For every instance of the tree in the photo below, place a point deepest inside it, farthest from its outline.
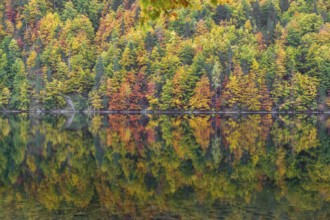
(233, 92)
(10, 11)
(23, 98)
(269, 19)
(250, 96)
(4, 98)
(304, 92)
(202, 97)
(53, 95)
(105, 31)
(14, 50)
(265, 99)
(137, 100)
(3, 68)
(151, 96)
(154, 9)
(301, 25)
(167, 95)
(284, 5)
(216, 75)
(281, 86)
(201, 27)
(34, 10)
(180, 88)
(95, 100)
(131, 93)
(21, 87)
(120, 100)
(186, 54)
(128, 58)
(149, 41)
(48, 27)
(257, 95)
(76, 38)
(69, 11)
(99, 71)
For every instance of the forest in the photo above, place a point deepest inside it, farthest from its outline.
(245, 55)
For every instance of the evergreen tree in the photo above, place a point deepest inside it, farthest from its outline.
(4, 98)
(167, 96)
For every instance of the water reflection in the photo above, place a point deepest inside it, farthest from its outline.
(161, 166)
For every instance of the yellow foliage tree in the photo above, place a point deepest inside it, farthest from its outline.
(48, 26)
(152, 9)
(96, 100)
(202, 97)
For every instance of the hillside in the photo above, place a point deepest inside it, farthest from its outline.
(242, 55)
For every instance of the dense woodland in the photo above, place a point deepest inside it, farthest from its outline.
(149, 166)
(101, 55)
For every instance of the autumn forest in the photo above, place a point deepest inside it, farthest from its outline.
(249, 55)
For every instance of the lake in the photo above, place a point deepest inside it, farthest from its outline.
(164, 166)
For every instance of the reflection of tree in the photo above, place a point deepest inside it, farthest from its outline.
(247, 134)
(148, 166)
(202, 130)
(300, 134)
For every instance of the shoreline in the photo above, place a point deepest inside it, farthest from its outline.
(156, 112)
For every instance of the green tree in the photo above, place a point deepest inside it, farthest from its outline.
(95, 100)
(186, 54)
(21, 87)
(216, 81)
(69, 11)
(128, 58)
(5, 98)
(167, 95)
(281, 86)
(14, 50)
(304, 92)
(3, 69)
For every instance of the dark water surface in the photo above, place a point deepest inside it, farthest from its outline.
(165, 167)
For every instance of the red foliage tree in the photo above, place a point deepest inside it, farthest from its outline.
(10, 11)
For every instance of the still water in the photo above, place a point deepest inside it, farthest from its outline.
(165, 167)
